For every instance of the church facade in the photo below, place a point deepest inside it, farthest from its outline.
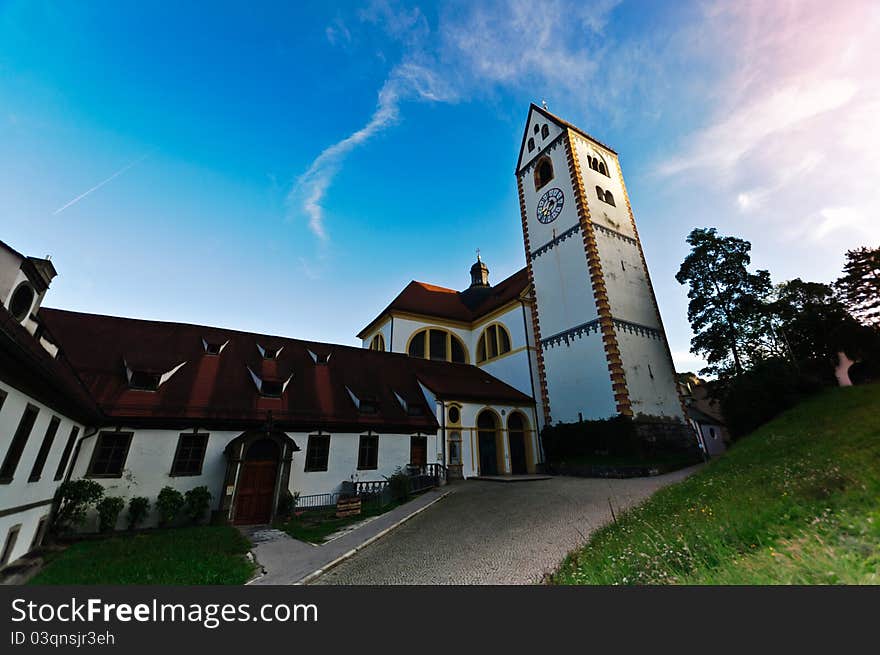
(459, 380)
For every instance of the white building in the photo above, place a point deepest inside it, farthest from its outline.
(463, 380)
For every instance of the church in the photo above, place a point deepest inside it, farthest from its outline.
(459, 380)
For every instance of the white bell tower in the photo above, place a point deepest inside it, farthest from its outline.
(602, 350)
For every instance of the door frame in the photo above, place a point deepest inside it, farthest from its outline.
(235, 452)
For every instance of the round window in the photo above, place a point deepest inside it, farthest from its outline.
(21, 301)
(454, 415)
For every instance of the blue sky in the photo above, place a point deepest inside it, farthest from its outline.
(289, 168)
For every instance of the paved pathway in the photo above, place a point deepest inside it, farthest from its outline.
(492, 533)
(288, 561)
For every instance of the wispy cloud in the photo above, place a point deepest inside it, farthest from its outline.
(472, 49)
(407, 81)
(790, 139)
(100, 184)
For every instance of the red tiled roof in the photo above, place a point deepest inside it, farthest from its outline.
(26, 365)
(464, 306)
(216, 390)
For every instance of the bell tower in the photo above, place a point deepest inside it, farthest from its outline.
(600, 343)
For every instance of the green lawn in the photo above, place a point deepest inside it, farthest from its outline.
(315, 526)
(198, 556)
(796, 502)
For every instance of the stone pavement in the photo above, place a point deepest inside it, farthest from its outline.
(289, 561)
(490, 533)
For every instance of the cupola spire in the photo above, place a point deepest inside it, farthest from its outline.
(479, 273)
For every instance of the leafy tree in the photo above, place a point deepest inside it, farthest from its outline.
(74, 498)
(809, 322)
(726, 308)
(859, 287)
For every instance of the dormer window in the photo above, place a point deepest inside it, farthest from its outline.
(411, 408)
(270, 388)
(378, 343)
(269, 353)
(214, 347)
(319, 358)
(365, 403)
(144, 381)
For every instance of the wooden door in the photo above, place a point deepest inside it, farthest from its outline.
(488, 457)
(418, 451)
(256, 491)
(517, 452)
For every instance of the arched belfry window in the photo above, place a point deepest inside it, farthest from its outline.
(545, 131)
(602, 168)
(609, 198)
(378, 343)
(537, 128)
(531, 144)
(437, 344)
(543, 172)
(494, 342)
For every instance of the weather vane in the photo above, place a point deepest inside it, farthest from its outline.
(544, 104)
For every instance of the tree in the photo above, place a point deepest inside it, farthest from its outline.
(810, 322)
(859, 288)
(726, 308)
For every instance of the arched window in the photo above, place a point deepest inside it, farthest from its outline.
(545, 131)
(601, 168)
(609, 198)
(543, 172)
(438, 345)
(494, 341)
(378, 343)
(537, 128)
(21, 301)
(531, 144)
(600, 193)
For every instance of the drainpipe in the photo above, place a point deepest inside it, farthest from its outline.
(443, 436)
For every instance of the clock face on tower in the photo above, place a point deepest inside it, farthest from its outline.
(550, 205)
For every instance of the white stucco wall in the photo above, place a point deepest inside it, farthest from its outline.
(651, 391)
(578, 382)
(20, 492)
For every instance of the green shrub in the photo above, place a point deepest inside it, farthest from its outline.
(196, 504)
(74, 498)
(109, 509)
(168, 504)
(287, 504)
(399, 484)
(138, 508)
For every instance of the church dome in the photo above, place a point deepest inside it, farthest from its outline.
(479, 273)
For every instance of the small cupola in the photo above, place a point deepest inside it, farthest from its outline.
(479, 273)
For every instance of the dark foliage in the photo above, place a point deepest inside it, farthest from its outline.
(138, 508)
(769, 388)
(196, 503)
(859, 287)
(169, 504)
(74, 498)
(109, 508)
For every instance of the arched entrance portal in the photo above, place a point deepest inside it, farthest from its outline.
(487, 429)
(257, 473)
(516, 436)
(256, 483)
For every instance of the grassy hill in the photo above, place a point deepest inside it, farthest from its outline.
(795, 502)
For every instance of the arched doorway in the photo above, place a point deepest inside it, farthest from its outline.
(516, 438)
(487, 429)
(256, 484)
